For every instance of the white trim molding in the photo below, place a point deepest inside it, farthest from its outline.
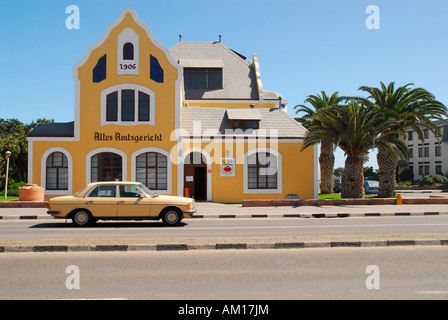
(169, 167)
(128, 35)
(124, 162)
(43, 172)
(279, 171)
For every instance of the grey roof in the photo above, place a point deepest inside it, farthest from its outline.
(54, 130)
(239, 78)
(215, 121)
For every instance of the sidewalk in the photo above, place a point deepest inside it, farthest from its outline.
(220, 210)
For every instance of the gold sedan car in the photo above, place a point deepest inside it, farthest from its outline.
(120, 201)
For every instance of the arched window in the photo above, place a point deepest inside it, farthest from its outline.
(128, 51)
(127, 104)
(57, 172)
(106, 166)
(262, 171)
(152, 170)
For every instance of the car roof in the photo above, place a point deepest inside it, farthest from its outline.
(113, 183)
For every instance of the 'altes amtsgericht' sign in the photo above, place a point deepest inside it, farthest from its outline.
(101, 136)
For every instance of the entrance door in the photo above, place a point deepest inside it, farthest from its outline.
(200, 183)
(195, 176)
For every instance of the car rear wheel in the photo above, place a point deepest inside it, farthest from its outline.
(172, 217)
(82, 218)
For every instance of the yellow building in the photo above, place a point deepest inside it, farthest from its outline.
(194, 119)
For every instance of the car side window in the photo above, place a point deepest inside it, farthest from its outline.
(103, 192)
(129, 192)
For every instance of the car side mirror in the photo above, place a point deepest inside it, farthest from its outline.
(140, 195)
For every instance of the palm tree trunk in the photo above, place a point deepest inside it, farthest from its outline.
(326, 160)
(352, 179)
(387, 174)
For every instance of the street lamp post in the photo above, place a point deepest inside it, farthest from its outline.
(8, 154)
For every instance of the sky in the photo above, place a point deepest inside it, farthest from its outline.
(303, 47)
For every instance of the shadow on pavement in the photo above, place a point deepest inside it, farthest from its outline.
(105, 225)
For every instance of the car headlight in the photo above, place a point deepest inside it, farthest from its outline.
(190, 205)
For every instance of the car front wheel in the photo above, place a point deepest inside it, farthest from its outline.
(172, 217)
(82, 218)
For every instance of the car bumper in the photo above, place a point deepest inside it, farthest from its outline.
(56, 214)
(189, 213)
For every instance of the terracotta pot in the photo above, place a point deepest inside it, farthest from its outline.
(31, 192)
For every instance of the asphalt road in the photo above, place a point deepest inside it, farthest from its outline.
(336, 273)
(196, 230)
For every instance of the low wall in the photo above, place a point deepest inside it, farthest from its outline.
(339, 202)
(23, 204)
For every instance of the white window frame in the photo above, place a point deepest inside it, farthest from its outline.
(119, 88)
(43, 176)
(279, 172)
(89, 156)
(169, 167)
(128, 35)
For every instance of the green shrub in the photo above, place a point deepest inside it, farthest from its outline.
(13, 188)
(433, 179)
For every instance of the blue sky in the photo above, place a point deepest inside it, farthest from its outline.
(303, 46)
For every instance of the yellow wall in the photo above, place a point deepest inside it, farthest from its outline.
(297, 170)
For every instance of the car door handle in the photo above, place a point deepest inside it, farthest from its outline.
(89, 202)
(120, 202)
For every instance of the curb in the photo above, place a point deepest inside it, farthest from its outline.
(288, 215)
(221, 246)
(339, 202)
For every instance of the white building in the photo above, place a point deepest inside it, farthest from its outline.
(428, 155)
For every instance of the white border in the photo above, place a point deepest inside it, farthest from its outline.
(128, 35)
(208, 159)
(279, 172)
(136, 88)
(43, 169)
(169, 167)
(124, 162)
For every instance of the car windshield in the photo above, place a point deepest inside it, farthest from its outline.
(146, 190)
(77, 193)
(373, 183)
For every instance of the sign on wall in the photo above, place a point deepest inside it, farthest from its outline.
(227, 167)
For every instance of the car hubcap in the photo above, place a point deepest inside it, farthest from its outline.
(81, 218)
(171, 217)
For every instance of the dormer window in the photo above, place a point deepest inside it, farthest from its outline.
(244, 118)
(245, 124)
(203, 78)
(128, 51)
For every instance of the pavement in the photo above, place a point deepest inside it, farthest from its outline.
(223, 211)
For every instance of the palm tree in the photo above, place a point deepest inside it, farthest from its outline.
(414, 108)
(355, 129)
(326, 158)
